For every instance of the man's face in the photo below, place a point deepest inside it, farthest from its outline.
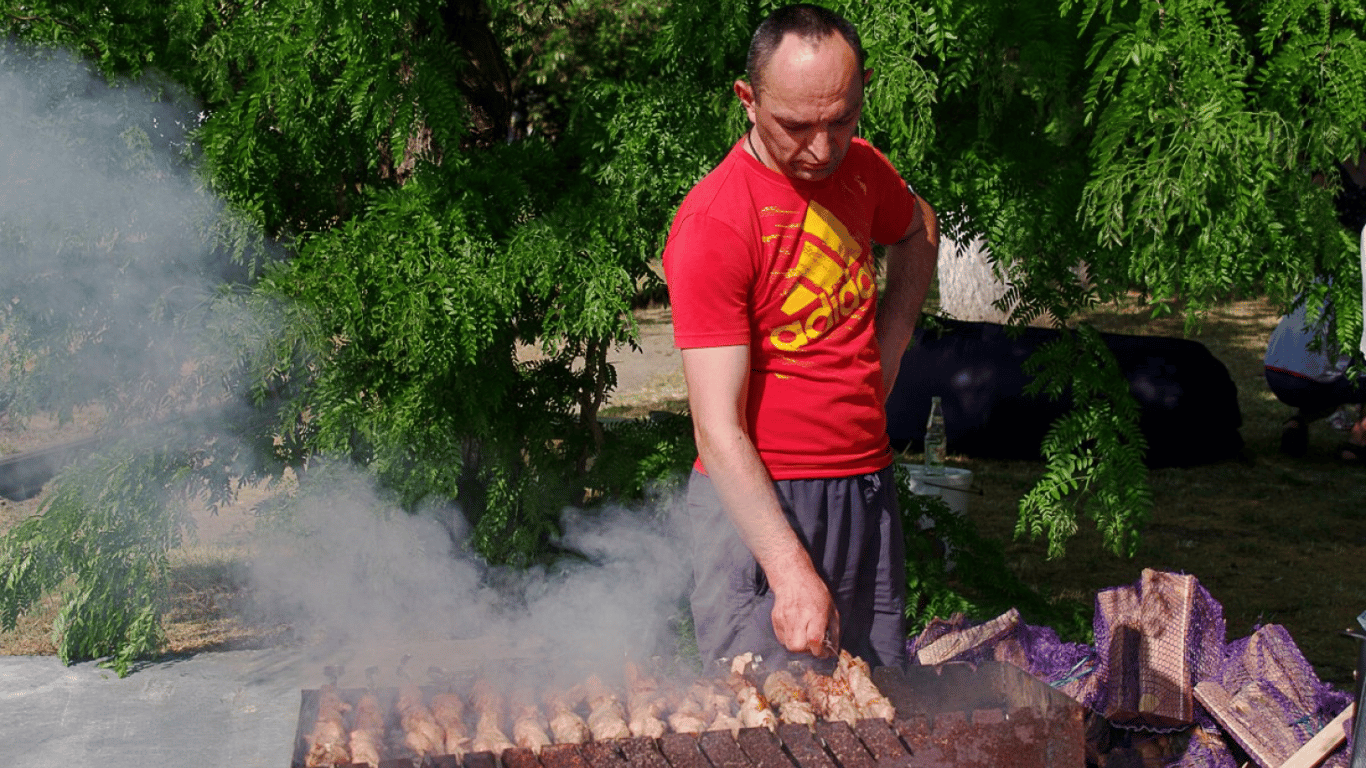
(807, 106)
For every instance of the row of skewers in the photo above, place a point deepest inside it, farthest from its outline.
(592, 711)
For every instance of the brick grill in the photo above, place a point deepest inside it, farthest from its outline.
(989, 716)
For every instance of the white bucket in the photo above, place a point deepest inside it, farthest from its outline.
(953, 486)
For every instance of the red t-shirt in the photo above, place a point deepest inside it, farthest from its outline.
(786, 266)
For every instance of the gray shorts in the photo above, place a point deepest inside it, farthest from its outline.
(851, 526)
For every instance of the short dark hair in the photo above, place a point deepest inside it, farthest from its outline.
(808, 22)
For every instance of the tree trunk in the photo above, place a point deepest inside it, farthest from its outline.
(967, 284)
(486, 82)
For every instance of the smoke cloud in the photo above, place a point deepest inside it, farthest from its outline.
(102, 231)
(103, 252)
(348, 569)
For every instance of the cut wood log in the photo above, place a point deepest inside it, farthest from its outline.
(955, 644)
(1258, 731)
(1324, 742)
(1154, 641)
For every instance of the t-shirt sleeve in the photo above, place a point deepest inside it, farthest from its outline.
(710, 273)
(894, 200)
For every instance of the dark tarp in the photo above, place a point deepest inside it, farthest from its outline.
(1190, 414)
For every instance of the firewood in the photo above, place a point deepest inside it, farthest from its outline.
(955, 644)
(1323, 743)
(1256, 729)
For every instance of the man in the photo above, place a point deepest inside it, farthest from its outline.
(1305, 374)
(1301, 369)
(771, 275)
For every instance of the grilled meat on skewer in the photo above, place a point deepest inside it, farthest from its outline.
(644, 703)
(488, 729)
(782, 689)
(367, 731)
(448, 710)
(528, 724)
(421, 733)
(565, 724)
(831, 697)
(327, 741)
(606, 718)
(752, 708)
(687, 713)
(857, 676)
(715, 704)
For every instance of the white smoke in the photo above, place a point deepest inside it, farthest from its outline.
(347, 569)
(101, 229)
(101, 246)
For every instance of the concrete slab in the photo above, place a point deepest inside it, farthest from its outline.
(228, 709)
(233, 708)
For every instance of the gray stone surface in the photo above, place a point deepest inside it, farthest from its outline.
(233, 708)
(221, 709)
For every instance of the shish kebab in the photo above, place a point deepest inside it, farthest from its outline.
(652, 709)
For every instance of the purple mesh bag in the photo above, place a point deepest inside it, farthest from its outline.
(1206, 749)
(1154, 641)
(1270, 655)
(1275, 701)
(1068, 667)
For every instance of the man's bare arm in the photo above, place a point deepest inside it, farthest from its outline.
(910, 268)
(718, 380)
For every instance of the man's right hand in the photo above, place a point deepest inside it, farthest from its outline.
(804, 615)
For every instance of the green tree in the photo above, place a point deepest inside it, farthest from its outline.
(418, 188)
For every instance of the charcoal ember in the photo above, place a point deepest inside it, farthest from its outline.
(879, 738)
(763, 749)
(640, 752)
(839, 738)
(603, 754)
(563, 756)
(721, 749)
(802, 745)
(682, 751)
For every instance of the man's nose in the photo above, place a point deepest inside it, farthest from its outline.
(820, 144)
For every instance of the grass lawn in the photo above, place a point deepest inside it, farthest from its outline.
(1274, 539)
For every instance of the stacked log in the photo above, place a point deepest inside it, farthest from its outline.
(1163, 686)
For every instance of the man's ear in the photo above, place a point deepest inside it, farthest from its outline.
(745, 92)
(867, 75)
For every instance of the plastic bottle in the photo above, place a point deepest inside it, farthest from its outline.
(936, 441)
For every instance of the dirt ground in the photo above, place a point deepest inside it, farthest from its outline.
(1274, 539)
